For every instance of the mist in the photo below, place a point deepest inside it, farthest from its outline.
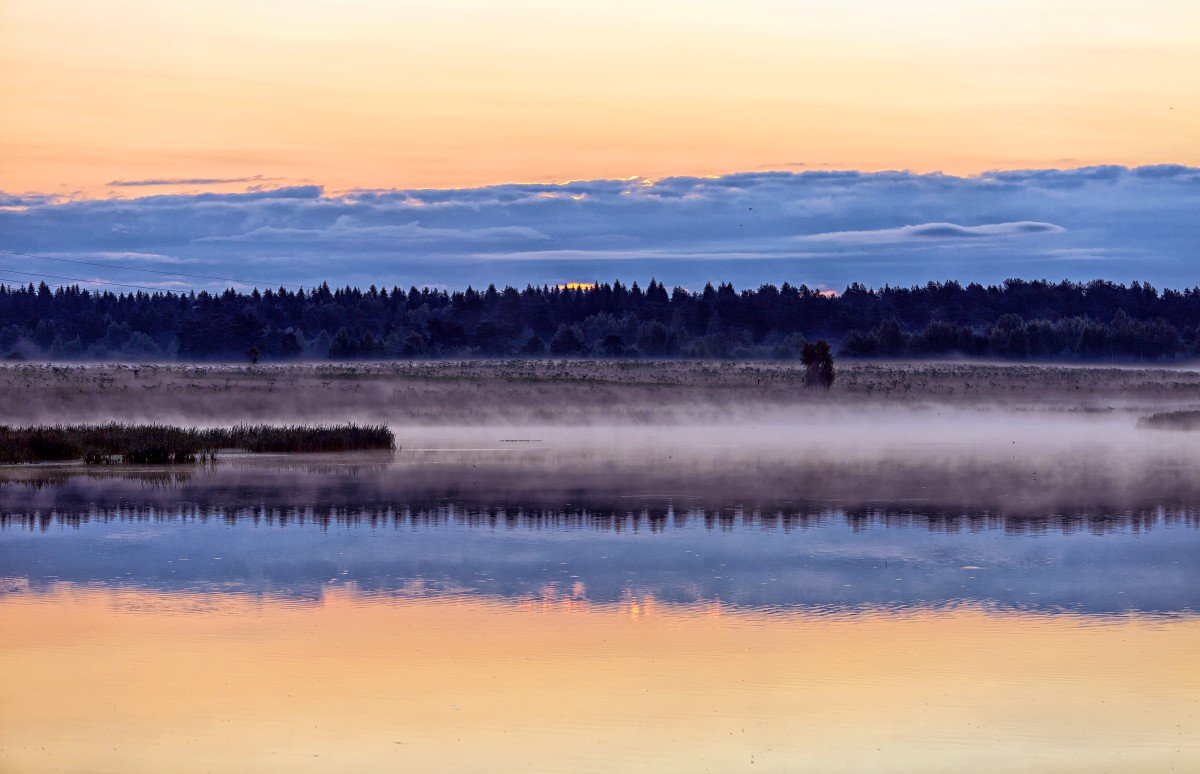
(1020, 438)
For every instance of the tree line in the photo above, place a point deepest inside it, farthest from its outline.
(1017, 319)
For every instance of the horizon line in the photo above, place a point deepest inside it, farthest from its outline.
(203, 186)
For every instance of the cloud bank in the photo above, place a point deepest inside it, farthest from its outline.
(825, 229)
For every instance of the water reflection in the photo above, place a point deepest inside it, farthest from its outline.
(936, 481)
(816, 558)
(469, 614)
(132, 679)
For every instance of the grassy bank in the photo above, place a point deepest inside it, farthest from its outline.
(165, 444)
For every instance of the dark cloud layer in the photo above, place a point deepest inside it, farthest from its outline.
(823, 228)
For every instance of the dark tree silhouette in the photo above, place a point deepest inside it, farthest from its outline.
(1018, 319)
(612, 346)
(567, 341)
(535, 346)
(891, 340)
(818, 364)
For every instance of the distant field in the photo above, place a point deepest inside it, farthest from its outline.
(572, 391)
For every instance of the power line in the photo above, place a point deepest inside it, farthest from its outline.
(80, 279)
(138, 268)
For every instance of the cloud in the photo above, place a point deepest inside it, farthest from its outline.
(346, 230)
(164, 181)
(822, 227)
(937, 231)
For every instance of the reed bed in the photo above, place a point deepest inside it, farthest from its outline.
(307, 438)
(116, 443)
(1172, 420)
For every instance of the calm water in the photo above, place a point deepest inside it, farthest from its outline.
(373, 616)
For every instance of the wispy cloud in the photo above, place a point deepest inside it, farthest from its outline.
(943, 231)
(168, 181)
(825, 228)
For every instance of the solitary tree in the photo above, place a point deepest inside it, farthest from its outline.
(818, 364)
(253, 353)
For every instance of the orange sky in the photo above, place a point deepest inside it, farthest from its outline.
(382, 94)
(90, 679)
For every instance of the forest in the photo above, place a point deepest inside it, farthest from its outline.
(1016, 320)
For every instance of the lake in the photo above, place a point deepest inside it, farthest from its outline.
(508, 606)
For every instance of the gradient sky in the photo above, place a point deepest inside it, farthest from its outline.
(367, 93)
(300, 106)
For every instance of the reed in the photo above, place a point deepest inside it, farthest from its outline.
(307, 438)
(1172, 420)
(116, 443)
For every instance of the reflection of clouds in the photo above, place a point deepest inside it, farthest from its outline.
(573, 523)
(828, 566)
(133, 536)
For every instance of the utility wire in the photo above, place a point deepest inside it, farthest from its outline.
(80, 279)
(138, 268)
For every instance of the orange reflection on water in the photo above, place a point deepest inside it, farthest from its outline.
(100, 679)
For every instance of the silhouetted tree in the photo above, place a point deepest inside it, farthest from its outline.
(289, 344)
(890, 339)
(413, 346)
(612, 346)
(343, 346)
(818, 364)
(536, 346)
(567, 341)
(656, 340)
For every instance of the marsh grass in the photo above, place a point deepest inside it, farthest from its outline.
(306, 438)
(115, 443)
(1172, 420)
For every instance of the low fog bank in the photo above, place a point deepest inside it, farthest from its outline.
(615, 472)
(975, 434)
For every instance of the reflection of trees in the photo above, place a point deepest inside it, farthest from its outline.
(511, 516)
(935, 493)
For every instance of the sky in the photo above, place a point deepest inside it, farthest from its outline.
(134, 100)
(824, 229)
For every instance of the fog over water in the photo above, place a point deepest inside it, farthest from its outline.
(1077, 513)
(688, 482)
(610, 566)
(1019, 441)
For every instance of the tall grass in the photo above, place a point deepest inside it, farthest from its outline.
(164, 444)
(1172, 420)
(306, 438)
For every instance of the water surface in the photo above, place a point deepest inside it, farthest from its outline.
(383, 614)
